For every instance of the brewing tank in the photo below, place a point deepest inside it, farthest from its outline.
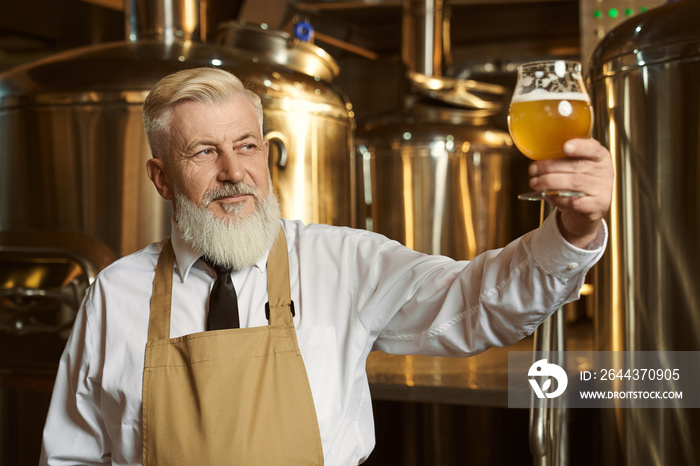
(441, 180)
(644, 77)
(73, 149)
(308, 121)
(440, 175)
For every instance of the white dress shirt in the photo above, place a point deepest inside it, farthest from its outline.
(353, 291)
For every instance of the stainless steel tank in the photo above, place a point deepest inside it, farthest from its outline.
(73, 148)
(309, 122)
(645, 78)
(441, 180)
(440, 175)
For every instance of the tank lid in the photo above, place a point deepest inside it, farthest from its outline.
(280, 48)
(125, 71)
(425, 122)
(102, 72)
(464, 93)
(664, 33)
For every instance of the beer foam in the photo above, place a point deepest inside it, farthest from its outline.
(541, 94)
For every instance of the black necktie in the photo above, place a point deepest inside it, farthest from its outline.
(223, 302)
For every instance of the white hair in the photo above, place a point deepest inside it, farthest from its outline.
(235, 243)
(203, 85)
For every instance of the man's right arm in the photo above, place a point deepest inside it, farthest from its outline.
(74, 432)
(422, 304)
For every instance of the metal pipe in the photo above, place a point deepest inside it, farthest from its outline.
(548, 420)
(163, 19)
(539, 428)
(425, 43)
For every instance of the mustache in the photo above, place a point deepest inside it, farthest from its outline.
(229, 189)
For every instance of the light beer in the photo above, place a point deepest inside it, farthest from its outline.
(541, 122)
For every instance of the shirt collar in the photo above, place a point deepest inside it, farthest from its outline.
(186, 256)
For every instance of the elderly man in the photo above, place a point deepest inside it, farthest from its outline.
(156, 370)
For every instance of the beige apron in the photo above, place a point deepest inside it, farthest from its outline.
(238, 396)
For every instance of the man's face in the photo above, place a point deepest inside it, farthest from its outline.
(213, 146)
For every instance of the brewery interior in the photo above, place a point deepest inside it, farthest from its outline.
(386, 115)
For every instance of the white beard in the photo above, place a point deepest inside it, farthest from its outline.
(236, 243)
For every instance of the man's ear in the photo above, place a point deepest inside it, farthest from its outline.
(159, 176)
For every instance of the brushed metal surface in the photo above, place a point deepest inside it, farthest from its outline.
(441, 181)
(73, 149)
(279, 47)
(425, 43)
(647, 103)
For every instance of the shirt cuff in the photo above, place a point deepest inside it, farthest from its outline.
(556, 256)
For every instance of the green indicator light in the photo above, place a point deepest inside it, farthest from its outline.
(597, 14)
(629, 11)
(643, 9)
(613, 13)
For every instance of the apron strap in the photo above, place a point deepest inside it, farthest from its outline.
(278, 290)
(159, 320)
(281, 307)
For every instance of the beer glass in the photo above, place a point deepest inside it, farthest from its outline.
(550, 105)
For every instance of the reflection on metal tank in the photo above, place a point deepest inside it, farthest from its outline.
(645, 77)
(439, 176)
(73, 149)
(308, 122)
(441, 180)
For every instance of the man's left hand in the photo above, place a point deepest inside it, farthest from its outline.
(587, 168)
